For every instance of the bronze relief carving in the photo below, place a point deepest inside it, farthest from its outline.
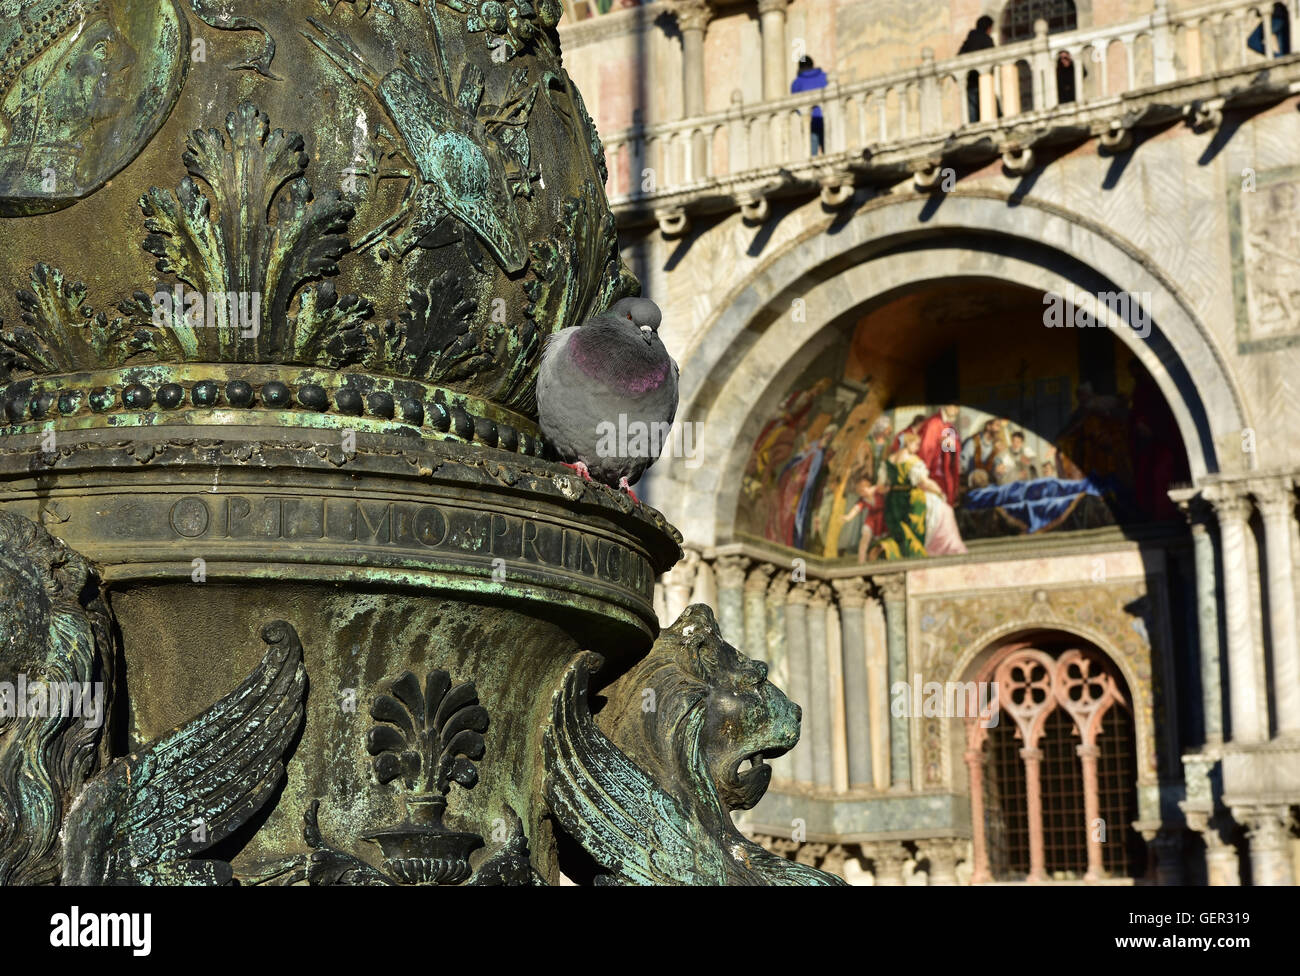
(83, 87)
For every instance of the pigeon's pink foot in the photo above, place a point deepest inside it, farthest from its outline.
(624, 486)
(580, 468)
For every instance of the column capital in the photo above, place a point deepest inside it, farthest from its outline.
(888, 859)
(730, 571)
(1275, 496)
(780, 586)
(1231, 502)
(772, 6)
(691, 14)
(820, 596)
(1193, 506)
(759, 576)
(1267, 824)
(799, 593)
(892, 587)
(851, 592)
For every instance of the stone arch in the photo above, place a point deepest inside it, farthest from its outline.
(753, 342)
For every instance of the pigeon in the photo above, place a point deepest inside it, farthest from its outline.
(607, 394)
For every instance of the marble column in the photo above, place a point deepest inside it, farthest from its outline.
(729, 571)
(1276, 500)
(1034, 801)
(943, 854)
(1268, 828)
(980, 873)
(755, 610)
(888, 860)
(778, 656)
(1088, 756)
(796, 643)
(852, 600)
(678, 584)
(705, 590)
(771, 19)
(1249, 715)
(893, 591)
(1200, 811)
(1222, 866)
(817, 716)
(693, 18)
(1207, 616)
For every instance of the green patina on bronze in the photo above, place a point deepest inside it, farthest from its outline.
(268, 352)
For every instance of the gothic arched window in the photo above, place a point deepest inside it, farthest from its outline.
(1053, 782)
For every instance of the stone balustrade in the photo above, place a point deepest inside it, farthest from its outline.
(880, 130)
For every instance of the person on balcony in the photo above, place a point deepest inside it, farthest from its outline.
(1281, 33)
(979, 39)
(810, 78)
(1065, 89)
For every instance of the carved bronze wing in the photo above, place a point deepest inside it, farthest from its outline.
(140, 820)
(612, 807)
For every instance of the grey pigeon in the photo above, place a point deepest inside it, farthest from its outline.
(607, 394)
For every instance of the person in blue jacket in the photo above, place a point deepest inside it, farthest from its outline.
(810, 78)
(1281, 33)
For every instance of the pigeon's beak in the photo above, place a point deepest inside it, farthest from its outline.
(648, 334)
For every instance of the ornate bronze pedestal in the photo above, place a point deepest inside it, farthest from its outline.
(268, 382)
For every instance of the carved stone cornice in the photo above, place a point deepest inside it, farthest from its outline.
(616, 23)
(851, 592)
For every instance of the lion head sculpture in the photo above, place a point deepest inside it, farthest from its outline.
(54, 634)
(747, 719)
(648, 788)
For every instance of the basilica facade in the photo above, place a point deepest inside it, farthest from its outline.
(989, 332)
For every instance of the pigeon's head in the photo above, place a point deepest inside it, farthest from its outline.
(642, 313)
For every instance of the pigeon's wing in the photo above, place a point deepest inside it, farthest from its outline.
(676, 385)
(612, 807)
(140, 819)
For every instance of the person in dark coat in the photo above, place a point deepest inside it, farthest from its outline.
(979, 39)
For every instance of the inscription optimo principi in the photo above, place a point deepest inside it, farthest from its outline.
(408, 525)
